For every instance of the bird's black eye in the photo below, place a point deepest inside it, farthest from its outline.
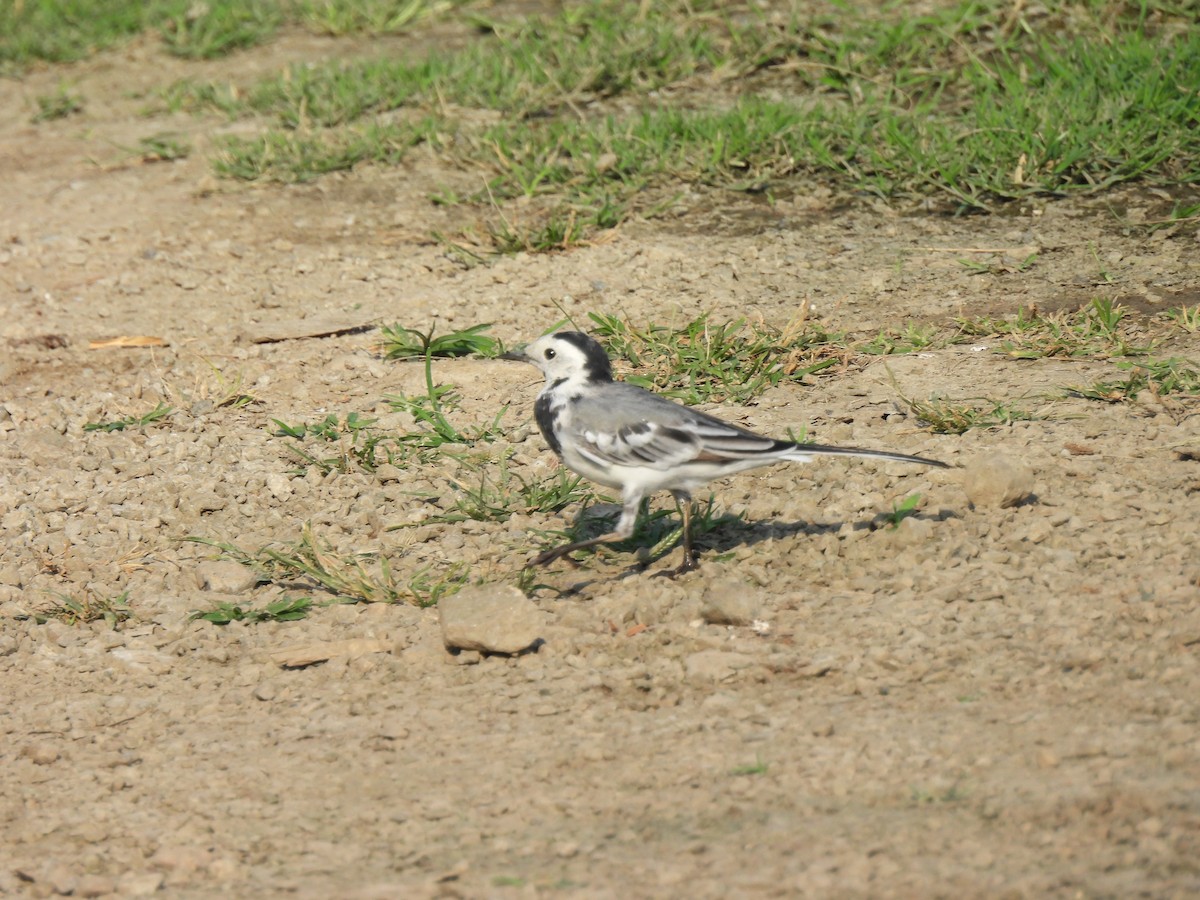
(550, 354)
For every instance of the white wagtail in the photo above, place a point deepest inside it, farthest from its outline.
(627, 438)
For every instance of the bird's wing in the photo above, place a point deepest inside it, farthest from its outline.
(632, 427)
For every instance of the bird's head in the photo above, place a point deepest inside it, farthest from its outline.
(566, 356)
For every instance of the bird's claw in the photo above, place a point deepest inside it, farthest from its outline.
(690, 563)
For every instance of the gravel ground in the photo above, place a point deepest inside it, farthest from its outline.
(986, 701)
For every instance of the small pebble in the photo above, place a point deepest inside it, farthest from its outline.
(41, 753)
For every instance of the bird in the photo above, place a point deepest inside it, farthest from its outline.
(637, 442)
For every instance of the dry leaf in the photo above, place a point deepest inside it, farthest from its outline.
(128, 340)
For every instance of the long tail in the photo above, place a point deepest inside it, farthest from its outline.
(804, 452)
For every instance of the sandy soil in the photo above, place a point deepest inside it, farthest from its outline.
(983, 702)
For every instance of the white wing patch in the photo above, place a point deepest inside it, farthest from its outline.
(640, 444)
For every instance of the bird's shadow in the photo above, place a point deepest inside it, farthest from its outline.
(715, 535)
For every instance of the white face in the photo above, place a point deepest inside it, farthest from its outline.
(555, 357)
(569, 356)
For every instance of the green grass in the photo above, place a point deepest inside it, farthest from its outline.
(63, 31)
(657, 531)
(165, 147)
(288, 609)
(1098, 330)
(1186, 318)
(913, 338)
(902, 510)
(1087, 117)
(409, 343)
(535, 66)
(957, 417)
(218, 27)
(349, 443)
(607, 110)
(290, 157)
(492, 492)
(356, 442)
(704, 361)
(348, 577)
(60, 104)
(91, 608)
(758, 767)
(973, 113)
(1174, 375)
(160, 412)
(342, 17)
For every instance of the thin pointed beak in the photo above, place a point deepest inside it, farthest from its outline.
(517, 353)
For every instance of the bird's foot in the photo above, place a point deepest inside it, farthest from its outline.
(548, 556)
(690, 562)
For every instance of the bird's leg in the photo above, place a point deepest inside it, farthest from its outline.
(684, 502)
(630, 505)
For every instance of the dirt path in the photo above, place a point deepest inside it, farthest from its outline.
(983, 702)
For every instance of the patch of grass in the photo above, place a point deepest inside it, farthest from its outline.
(60, 104)
(429, 409)
(288, 609)
(758, 767)
(213, 28)
(997, 264)
(361, 446)
(951, 417)
(219, 391)
(165, 147)
(1183, 212)
(428, 585)
(1174, 375)
(331, 428)
(705, 361)
(532, 66)
(990, 109)
(161, 411)
(341, 17)
(1098, 330)
(912, 339)
(1186, 317)
(902, 510)
(496, 494)
(1101, 329)
(61, 31)
(1001, 140)
(294, 157)
(358, 444)
(112, 610)
(409, 343)
(656, 532)
(353, 578)
(560, 229)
